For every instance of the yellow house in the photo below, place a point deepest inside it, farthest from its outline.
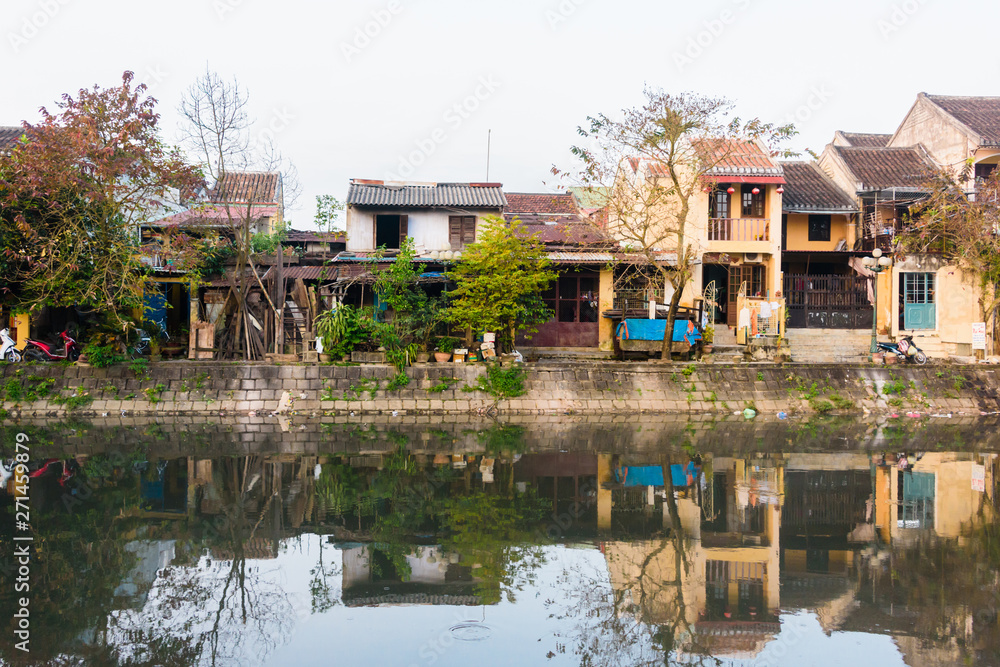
(731, 229)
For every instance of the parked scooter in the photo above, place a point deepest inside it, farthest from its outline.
(8, 349)
(36, 350)
(905, 350)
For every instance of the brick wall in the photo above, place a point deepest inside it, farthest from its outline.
(597, 388)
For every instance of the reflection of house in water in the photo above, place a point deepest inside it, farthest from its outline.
(570, 480)
(722, 579)
(371, 579)
(934, 491)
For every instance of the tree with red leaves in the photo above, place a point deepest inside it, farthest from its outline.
(73, 194)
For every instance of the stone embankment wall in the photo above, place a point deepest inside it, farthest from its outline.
(174, 388)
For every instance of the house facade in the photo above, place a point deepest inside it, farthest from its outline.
(922, 294)
(442, 218)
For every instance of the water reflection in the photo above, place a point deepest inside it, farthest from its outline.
(413, 555)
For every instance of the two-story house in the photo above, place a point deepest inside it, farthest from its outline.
(822, 287)
(887, 174)
(442, 218)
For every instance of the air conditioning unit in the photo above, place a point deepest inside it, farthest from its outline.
(753, 257)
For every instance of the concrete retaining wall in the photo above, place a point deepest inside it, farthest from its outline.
(172, 388)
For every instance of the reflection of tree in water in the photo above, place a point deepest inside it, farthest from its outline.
(637, 615)
(79, 559)
(223, 611)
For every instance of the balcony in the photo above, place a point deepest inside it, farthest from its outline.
(739, 229)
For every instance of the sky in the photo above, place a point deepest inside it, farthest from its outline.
(416, 89)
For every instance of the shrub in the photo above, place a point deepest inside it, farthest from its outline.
(102, 356)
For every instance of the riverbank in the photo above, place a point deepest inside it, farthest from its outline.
(584, 388)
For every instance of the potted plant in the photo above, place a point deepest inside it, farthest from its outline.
(446, 345)
(709, 337)
(423, 356)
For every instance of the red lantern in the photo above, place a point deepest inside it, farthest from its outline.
(731, 190)
(781, 189)
(756, 191)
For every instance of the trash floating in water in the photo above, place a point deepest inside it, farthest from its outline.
(782, 415)
(749, 413)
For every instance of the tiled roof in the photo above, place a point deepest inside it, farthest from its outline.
(247, 186)
(566, 233)
(883, 168)
(466, 195)
(979, 114)
(9, 136)
(216, 216)
(540, 204)
(808, 188)
(309, 236)
(867, 140)
(737, 157)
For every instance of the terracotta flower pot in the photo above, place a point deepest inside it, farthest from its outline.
(442, 357)
(423, 357)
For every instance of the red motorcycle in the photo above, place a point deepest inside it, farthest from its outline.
(36, 350)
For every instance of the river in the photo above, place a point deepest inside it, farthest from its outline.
(555, 541)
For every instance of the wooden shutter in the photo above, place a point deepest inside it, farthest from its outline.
(404, 228)
(455, 232)
(469, 231)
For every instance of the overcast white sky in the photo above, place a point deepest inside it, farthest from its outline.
(531, 71)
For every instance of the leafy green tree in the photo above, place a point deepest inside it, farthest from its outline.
(499, 280)
(328, 210)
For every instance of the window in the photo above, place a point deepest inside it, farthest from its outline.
(718, 202)
(819, 227)
(391, 231)
(461, 231)
(917, 301)
(753, 204)
(573, 298)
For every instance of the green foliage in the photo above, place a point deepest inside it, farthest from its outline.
(78, 398)
(153, 393)
(448, 344)
(102, 356)
(689, 371)
(346, 328)
(502, 382)
(894, 387)
(841, 403)
(503, 438)
(499, 280)
(267, 244)
(30, 388)
(444, 385)
(760, 376)
(140, 367)
(398, 381)
(328, 209)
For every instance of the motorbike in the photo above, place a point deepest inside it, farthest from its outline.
(8, 349)
(36, 350)
(905, 350)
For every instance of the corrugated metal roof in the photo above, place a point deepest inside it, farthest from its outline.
(459, 195)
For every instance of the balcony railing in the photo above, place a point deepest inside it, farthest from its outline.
(739, 229)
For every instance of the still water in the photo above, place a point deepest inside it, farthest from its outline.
(817, 543)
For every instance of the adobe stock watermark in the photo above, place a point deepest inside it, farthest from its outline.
(223, 7)
(280, 120)
(815, 100)
(710, 33)
(32, 24)
(23, 537)
(898, 16)
(562, 12)
(372, 28)
(453, 118)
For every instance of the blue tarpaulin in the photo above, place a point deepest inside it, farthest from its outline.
(684, 330)
(653, 475)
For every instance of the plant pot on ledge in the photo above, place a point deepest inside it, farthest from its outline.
(442, 357)
(423, 357)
